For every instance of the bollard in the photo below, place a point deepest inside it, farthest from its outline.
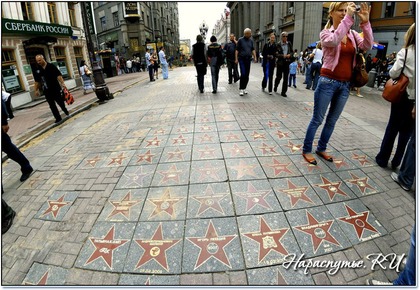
(372, 77)
(101, 89)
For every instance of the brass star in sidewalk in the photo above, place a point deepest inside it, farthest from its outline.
(210, 200)
(244, 169)
(254, 197)
(296, 193)
(54, 206)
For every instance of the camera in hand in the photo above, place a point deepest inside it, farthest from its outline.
(357, 8)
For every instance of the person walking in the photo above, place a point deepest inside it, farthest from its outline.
(284, 59)
(292, 73)
(48, 77)
(230, 49)
(315, 67)
(269, 63)
(215, 60)
(400, 120)
(198, 54)
(7, 98)
(339, 46)
(86, 74)
(244, 54)
(149, 65)
(163, 62)
(129, 65)
(155, 64)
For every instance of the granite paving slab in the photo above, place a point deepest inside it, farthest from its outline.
(183, 139)
(228, 126)
(205, 127)
(138, 133)
(146, 156)
(257, 135)
(360, 183)
(266, 239)
(93, 160)
(204, 119)
(57, 205)
(106, 247)
(209, 201)
(237, 150)
(316, 231)
(182, 129)
(41, 274)
(291, 146)
(207, 151)
(330, 188)
(137, 176)
(244, 169)
(281, 133)
(165, 203)
(160, 131)
(203, 171)
(269, 124)
(206, 138)
(156, 248)
(356, 221)
(176, 153)
(340, 162)
(136, 280)
(177, 173)
(266, 148)
(225, 118)
(278, 166)
(359, 158)
(154, 141)
(295, 193)
(231, 136)
(212, 245)
(124, 205)
(120, 158)
(254, 197)
(278, 275)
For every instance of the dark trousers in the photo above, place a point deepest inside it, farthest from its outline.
(6, 210)
(245, 67)
(268, 70)
(400, 123)
(14, 153)
(9, 107)
(214, 76)
(232, 71)
(150, 69)
(282, 72)
(201, 72)
(55, 97)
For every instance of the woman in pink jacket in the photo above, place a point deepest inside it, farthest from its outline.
(339, 44)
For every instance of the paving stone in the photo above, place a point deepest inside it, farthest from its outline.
(360, 183)
(278, 275)
(359, 158)
(321, 279)
(238, 278)
(57, 206)
(244, 169)
(171, 174)
(196, 279)
(228, 126)
(207, 151)
(41, 274)
(137, 176)
(237, 149)
(135, 280)
(330, 188)
(146, 156)
(278, 166)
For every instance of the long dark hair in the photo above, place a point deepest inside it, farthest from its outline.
(410, 36)
(82, 62)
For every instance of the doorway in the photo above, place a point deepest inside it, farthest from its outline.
(31, 52)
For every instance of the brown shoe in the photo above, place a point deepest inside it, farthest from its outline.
(309, 158)
(324, 155)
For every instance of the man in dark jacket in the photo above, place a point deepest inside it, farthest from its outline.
(48, 77)
(284, 59)
(229, 49)
(215, 60)
(269, 63)
(199, 56)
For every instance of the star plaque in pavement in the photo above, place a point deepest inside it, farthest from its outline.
(359, 221)
(117, 160)
(160, 131)
(361, 158)
(136, 178)
(92, 162)
(165, 204)
(104, 248)
(267, 150)
(268, 239)
(206, 138)
(183, 129)
(177, 154)
(208, 171)
(340, 162)
(296, 193)
(319, 231)
(153, 142)
(236, 150)
(282, 135)
(210, 200)
(54, 206)
(254, 197)
(155, 249)
(293, 147)
(123, 207)
(279, 167)
(257, 135)
(332, 188)
(148, 156)
(212, 245)
(42, 281)
(272, 124)
(361, 183)
(244, 169)
(207, 152)
(205, 128)
(232, 136)
(171, 174)
(179, 140)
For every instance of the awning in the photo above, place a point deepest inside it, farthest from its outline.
(313, 44)
(378, 46)
(41, 40)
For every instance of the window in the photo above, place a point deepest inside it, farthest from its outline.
(72, 14)
(116, 19)
(61, 61)
(103, 23)
(9, 72)
(27, 10)
(389, 9)
(78, 53)
(52, 12)
(148, 21)
(142, 15)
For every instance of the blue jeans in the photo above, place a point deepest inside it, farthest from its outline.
(314, 75)
(408, 275)
(408, 166)
(327, 92)
(164, 70)
(245, 67)
(308, 74)
(292, 77)
(214, 76)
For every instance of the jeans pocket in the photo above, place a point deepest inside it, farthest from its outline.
(325, 80)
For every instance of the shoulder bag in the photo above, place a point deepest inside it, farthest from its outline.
(68, 98)
(395, 89)
(359, 76)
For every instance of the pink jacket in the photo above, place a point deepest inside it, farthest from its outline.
(331, 41)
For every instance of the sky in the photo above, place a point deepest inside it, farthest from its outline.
(192, 14)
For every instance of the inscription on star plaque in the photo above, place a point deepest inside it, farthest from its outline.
(57, 206)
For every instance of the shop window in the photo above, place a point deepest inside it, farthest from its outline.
(389, 9)
(9, 72)
(72, 14)
(61, 61)
(52, 12)
(103, 23)
(27, 11)
(78, 54)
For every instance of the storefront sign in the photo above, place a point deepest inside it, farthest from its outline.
(27, 69)
(12, 26)
(131, 9)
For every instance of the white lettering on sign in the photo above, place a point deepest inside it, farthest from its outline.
(26, 27)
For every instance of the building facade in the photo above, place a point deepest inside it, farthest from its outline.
(126, 29)
(53, 29)
(304, 20)
(222, 29)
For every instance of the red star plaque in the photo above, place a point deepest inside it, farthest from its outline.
(179, 140)
(182, 130)
(267, 150)
(361, 183)
(296, 193)
(123, 207)
(293, 147)
(155, 249)
(164, 204)
(244, 169)
(171, 174)
(282, 135)
(359, 221)
(177, 155)
(104, 248)
(280, 279)
(236, 150)
(206, 138)
(268, 239)
(92, 162)
(332, 188)
(340, 162)
(254, 197)
(361, 158)
(206, 152)
(154, 142)
(319, 231)
(272, 124)
(117, 160)
(257, 135)
(148, 156)
(54, 206)
(210, 200)
(232, 136)
(42, 281)
(208, 171)
(279, 167)
(212, 245)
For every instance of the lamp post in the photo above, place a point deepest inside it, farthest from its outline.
(203, 30)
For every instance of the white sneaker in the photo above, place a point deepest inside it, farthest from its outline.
(374, 282)
(359, 95)
(241, 92)
(245, 91)
(270, 93)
